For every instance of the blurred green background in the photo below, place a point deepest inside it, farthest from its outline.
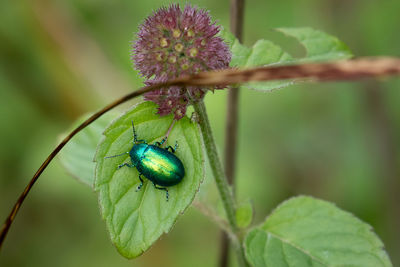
(335, 141)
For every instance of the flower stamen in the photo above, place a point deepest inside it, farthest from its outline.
(163, 42)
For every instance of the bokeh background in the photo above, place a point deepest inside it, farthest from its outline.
(336, 141)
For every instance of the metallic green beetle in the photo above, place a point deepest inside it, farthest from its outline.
(157, 164)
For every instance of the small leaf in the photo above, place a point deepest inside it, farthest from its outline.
(77, 156)
(244, 214)
(262, 53)
(136, 219)
(319, 46)
(304, 231)
(240, 53)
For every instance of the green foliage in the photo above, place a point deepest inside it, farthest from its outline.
(136, 219)
(78, 155)
(304, 231)
(319, 46)
(337, 121)
(244, 214)
(301, 232)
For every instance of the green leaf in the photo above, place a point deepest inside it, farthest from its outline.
(244, 214)
(77, 156)
(136, 219)
(319, 46)
(262, 53)
(304, 231)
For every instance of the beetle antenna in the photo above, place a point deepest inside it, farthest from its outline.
(116, 155)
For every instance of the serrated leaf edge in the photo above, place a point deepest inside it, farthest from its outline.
(202, 161)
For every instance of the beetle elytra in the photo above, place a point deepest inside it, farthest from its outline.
(155, 163)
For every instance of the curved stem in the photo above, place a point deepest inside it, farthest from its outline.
(219, 176)
(7, 224)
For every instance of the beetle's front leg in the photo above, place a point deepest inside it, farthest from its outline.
(125, 164)
(161, 143)
(141, 182)
(162, 188)
(173, 149)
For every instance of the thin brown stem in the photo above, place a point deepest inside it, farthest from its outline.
(232, 121)
(236, 18)
(342, 70)
(231, 132)
(366, 67)
(384, 148)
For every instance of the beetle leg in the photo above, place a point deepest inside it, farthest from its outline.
(176, 145)
(162, 188)
(125, 164)
(161, 143)
(141, 182)
(173, 149)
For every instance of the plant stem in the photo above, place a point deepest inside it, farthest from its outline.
(232, 121)
(220, 178)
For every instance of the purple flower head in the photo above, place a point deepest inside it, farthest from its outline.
(171, 43)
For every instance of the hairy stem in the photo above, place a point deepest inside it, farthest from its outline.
(219, 176)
